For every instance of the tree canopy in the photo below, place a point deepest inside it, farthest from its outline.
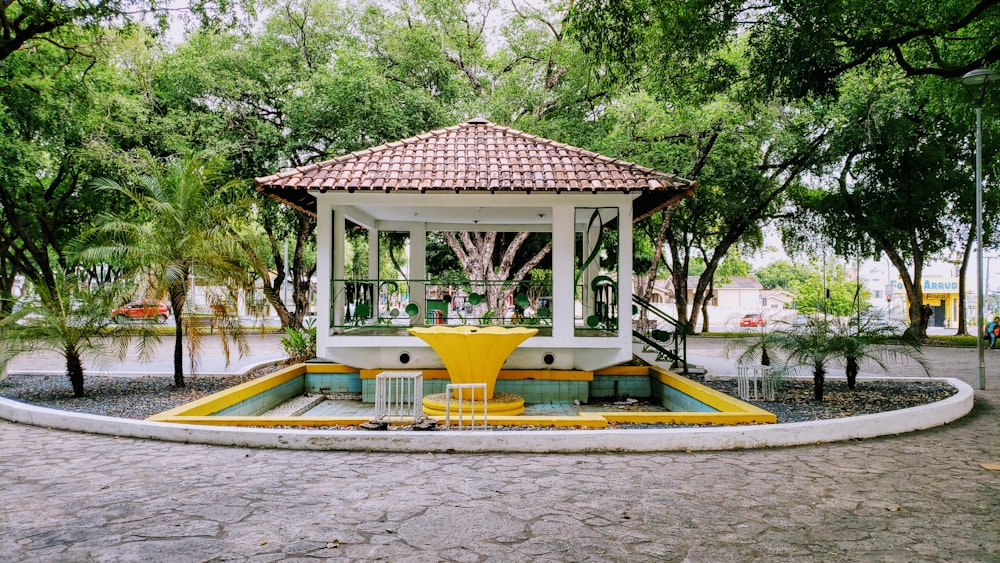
(795, 49)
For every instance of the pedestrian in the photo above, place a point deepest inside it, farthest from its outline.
(993, 331)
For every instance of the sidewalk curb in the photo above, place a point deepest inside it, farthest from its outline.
(542, 441)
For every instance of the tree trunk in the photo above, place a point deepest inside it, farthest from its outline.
(851, 369)
(178, 350)
(819, 374)
(177, 298)
(74, 369)
(704, 306)
(474, 252)
(963, 321)
(274, 299)
(300, 272)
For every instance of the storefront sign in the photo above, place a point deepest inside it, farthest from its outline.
(937, 285)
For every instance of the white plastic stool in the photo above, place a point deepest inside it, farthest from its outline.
(460, 388)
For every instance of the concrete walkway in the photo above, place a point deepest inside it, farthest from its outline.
(917, 497)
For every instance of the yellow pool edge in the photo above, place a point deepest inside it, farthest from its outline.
(731, 411)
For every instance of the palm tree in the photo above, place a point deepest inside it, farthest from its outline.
(869, 336)
(810, 346)
(179, 226)
(753, 343)
(71, 320)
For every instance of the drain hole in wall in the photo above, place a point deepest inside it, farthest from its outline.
(404, 358)
(549, 359)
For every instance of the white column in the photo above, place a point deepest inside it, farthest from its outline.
(338, 241)
(418, 270)
(563, 233)
(324, 253)
(625, 272)
(373, 254)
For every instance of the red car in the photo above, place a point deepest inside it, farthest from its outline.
(753, 319)
(142, 309)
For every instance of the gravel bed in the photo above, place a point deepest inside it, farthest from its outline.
(794, 399)
(142, 397)
(125, 397)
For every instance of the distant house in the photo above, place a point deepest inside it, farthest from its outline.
(773, 301)
(740, 293)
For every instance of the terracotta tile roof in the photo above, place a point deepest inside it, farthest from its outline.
(475, 156)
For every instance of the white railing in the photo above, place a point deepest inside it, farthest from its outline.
(750, 379)
(399, 396)
(460, 388)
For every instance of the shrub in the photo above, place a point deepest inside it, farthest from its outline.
(300, 343)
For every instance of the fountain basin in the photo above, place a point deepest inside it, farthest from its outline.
(473, 354)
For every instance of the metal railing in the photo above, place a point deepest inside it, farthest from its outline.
(368, 302)
(661, 339)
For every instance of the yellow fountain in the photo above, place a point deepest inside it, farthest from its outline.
(473, 354)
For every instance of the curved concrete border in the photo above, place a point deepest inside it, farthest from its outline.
(535, 441)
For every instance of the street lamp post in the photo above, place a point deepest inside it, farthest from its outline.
(980, 78)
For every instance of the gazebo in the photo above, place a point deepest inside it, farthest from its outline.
(481, 177)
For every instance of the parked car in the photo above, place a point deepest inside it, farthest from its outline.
(800, 321)
(753, 319)
(142, 309)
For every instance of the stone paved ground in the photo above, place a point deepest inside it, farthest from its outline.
(917, 497)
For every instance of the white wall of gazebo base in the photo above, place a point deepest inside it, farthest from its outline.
(403, 352)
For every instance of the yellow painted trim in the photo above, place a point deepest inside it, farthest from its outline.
(330, 368)
(623, 370)
(428, 373)
(507, 374)
(585, 420)
(269, 420)
(546, 375)
(685, 417)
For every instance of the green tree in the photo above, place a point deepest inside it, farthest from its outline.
(743, 162)
(56, 131)
(783, 274)
(852, 339)
(486, 261)
(832, 292)
(894, 183)
(179, 228)
(795, 48)
(26, 25)
(730, 267)
(314, 84)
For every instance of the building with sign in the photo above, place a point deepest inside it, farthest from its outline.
(940, 293)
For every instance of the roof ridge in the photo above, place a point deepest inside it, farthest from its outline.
(579, 150)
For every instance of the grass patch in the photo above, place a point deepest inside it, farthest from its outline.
(953, 341)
